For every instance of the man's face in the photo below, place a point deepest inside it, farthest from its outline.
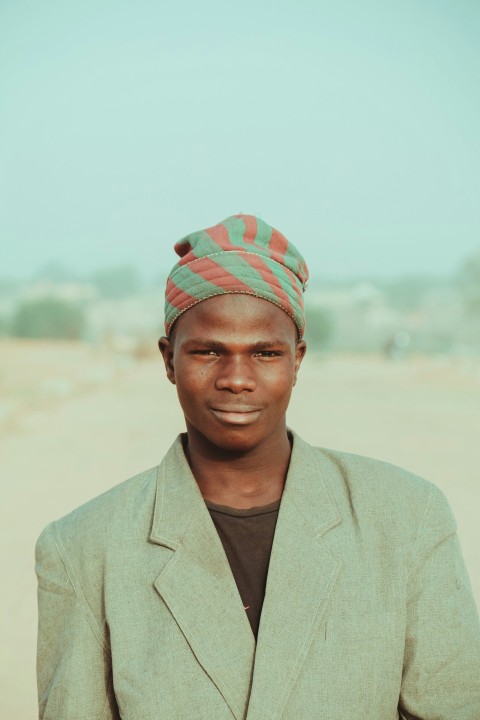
(234, 360)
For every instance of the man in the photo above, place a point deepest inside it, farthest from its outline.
(251, 575)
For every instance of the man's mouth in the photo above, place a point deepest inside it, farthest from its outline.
(232, 415)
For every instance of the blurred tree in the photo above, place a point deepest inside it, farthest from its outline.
(117, 282)
(4, 326)
(319, 328)
(48, 317)
(468, 279)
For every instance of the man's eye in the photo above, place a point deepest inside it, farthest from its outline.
(268, 353)
(213, 353)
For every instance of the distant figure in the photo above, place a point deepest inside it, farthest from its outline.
(251, 576)
(397, 345)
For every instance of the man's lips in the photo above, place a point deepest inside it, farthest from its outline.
(232, 415)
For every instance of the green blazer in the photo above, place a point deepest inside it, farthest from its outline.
(368, 611)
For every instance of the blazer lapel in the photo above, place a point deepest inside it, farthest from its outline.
(197, 584)
(301, 576)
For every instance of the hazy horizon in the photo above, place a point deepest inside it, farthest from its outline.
(150, 277)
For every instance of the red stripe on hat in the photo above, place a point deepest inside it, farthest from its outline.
(176, 296)
(208, 269)
(278, 245)
(250, 228)
(219, 233)
(270, 278)
(187, 258)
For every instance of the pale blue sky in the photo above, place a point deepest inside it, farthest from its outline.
(353, 127)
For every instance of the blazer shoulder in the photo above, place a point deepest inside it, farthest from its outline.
(81, 547)
(381, 491)
(95, 522)
(372, 471)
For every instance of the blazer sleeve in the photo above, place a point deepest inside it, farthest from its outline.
(73, 659)
(441, 677)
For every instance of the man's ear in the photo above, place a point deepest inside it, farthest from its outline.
(166, 348)
(300, 350)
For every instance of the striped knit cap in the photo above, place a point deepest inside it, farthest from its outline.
(242, 255)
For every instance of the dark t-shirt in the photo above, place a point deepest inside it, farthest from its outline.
(247, 538)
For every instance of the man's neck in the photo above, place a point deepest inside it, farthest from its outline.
(240, 480)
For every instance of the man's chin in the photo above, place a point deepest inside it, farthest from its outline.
(239, 443)
(234, 440)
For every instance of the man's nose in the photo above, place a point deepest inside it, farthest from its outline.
(236, 374)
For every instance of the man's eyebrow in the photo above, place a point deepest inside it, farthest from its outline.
(266, 344)
(216, 344)
(210, 344)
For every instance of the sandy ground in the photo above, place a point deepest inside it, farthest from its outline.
(76, 421)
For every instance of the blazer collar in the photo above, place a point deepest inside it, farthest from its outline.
(198, 587)
(197, 584)
(178, 498)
